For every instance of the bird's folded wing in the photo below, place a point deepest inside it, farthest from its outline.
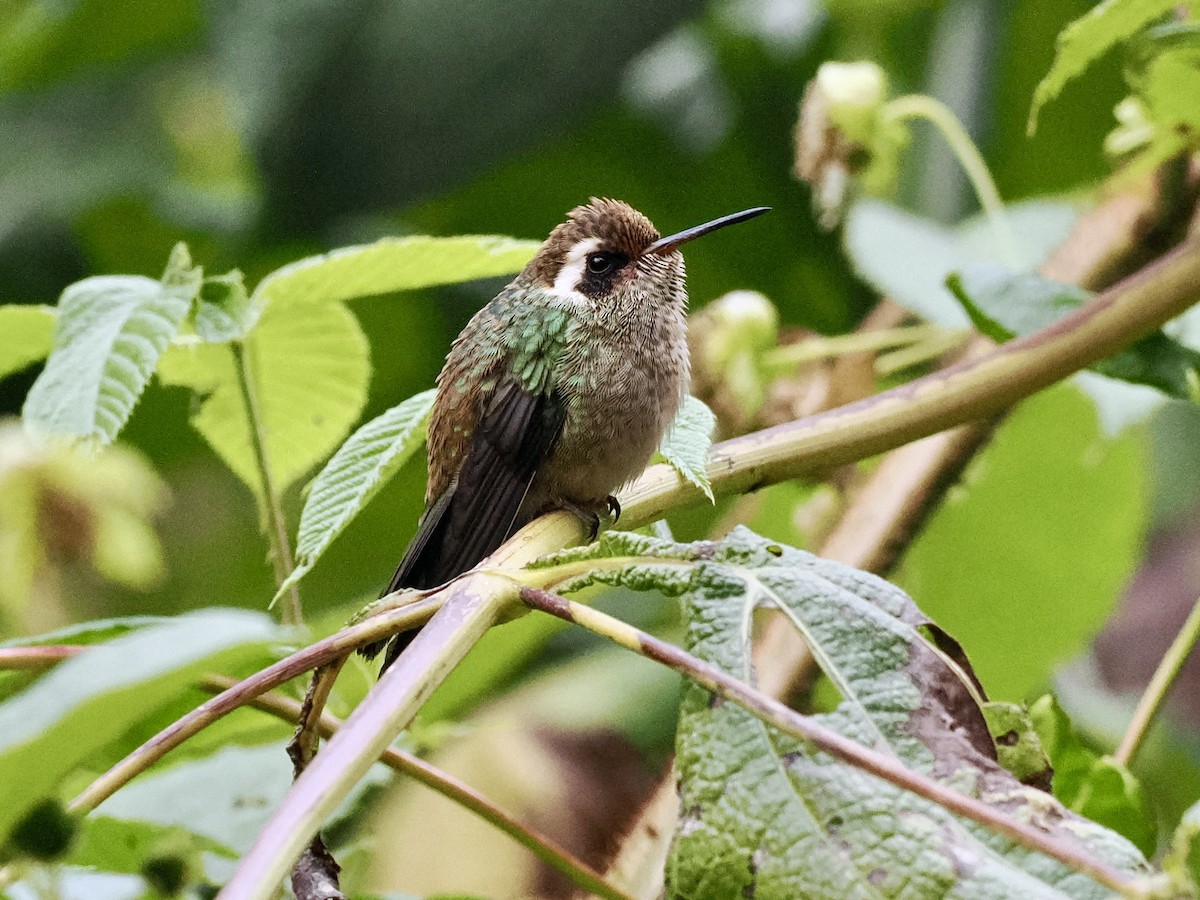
(513, 438)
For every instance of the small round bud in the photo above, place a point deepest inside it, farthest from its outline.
(844, 134)
(853, 94)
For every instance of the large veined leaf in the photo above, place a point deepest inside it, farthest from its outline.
(28, 335)
(111, 331)
(309, 370)
(764, 815)
(358, 470)
(1090, 37)
(88, 701)
(393, 264)
(686, 444)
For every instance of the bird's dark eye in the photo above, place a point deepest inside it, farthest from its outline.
(601, 263)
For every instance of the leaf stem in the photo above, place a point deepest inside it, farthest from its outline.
(820, 347)
(1160, 685)
(547, 850)
(272, 509)
(832, 742)
(921, 106)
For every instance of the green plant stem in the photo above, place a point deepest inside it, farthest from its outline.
(806, 728)
(332, 648)
(934, 347)
(1158, 688)
(472, 605)
(272, 509)
(816, 348)
(920, 106)
(547, 850)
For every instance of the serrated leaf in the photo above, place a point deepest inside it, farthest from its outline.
(111, 331)
(359, 469)
(28, 334)
(310, 371)
(764, 815)
(687, 442)
(1092, 784)
(394, 264)
(1003, 306)
(1090, 37)
(86, 702)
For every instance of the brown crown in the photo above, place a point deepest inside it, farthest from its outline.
(617, 225)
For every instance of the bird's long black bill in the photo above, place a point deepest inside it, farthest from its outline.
(671, 241)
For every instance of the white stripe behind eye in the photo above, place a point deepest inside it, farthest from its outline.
(566, 283)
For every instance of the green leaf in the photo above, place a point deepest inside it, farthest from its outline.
(1170, 86)
(1003, 306)
(226, 797)
(1090, 37)
(908, 258)
(28, 335)
(763, 814)
(64, 719)
(310, 371)
(686, 444)
(394, 264)
(111, 331)
(224, 311)
(122, 845)
(1091, 784)
(359, 469)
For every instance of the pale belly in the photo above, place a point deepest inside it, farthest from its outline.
(618, 410)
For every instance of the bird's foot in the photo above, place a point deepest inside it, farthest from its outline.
(595, 516)
(614, 508)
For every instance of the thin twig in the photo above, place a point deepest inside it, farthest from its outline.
(811, 349)
(276, 526)
(774, 713)
(914, 106)
(1160, 685)
(545, 848)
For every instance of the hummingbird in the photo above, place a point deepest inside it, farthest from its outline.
(557, 392)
